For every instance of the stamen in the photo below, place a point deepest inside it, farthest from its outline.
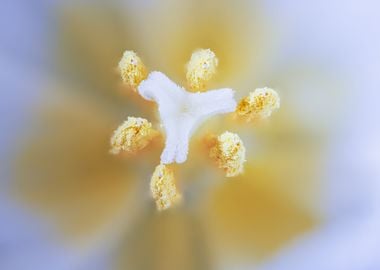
(133, 135)
(229, 153)
(259, 104)
(132, 69)
(163, 187)
(200, 68)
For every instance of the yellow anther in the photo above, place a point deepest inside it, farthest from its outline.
(259, 104)
(132, 69)
(200, 68)
(133, 135)
(163, 187)
(229, 153)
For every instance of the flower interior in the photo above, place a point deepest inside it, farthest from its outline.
(181, 112)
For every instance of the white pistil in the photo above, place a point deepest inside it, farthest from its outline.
(182, 112)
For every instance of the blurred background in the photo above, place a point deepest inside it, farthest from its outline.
(310, 194)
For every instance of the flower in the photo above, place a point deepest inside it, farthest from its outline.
(69, 177)
(181, 112)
